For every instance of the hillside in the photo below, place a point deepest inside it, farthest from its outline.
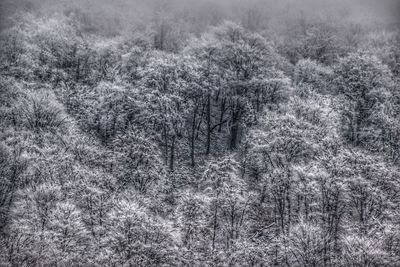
(216, 134)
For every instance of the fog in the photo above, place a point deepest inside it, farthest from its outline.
(201, 13)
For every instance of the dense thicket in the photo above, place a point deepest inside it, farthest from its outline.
(237, 144)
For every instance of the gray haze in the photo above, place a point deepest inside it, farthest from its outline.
(201, 13)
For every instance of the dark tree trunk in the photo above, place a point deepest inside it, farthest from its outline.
(77, 70)
(166, 145)
(234, 127)
(208, 142)
(193, 137)
(172, 157)
(221, 118)
(214, 227)
(234, 134)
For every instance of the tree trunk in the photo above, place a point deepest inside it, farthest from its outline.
(208, 142)
(171, 159)
(234, 128)
(221, 118)
(193, 137)
(166, 145)
(214, 227)
(77, 70)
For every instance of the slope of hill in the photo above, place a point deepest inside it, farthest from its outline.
(179, 142)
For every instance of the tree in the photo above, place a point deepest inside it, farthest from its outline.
(42, 112)
(163, 87)
(193, 216)
(12, 165)
(136, 238)
(365, 84)
(229, 204)
(31, 221)
(242, 71)
(304, 245)
(363, 251)
(308, 39)
(139, 161)
(68, 234)
(310, 73)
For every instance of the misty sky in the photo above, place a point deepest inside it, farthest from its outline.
(131, 11)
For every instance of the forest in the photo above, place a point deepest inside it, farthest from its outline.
(200, 133)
